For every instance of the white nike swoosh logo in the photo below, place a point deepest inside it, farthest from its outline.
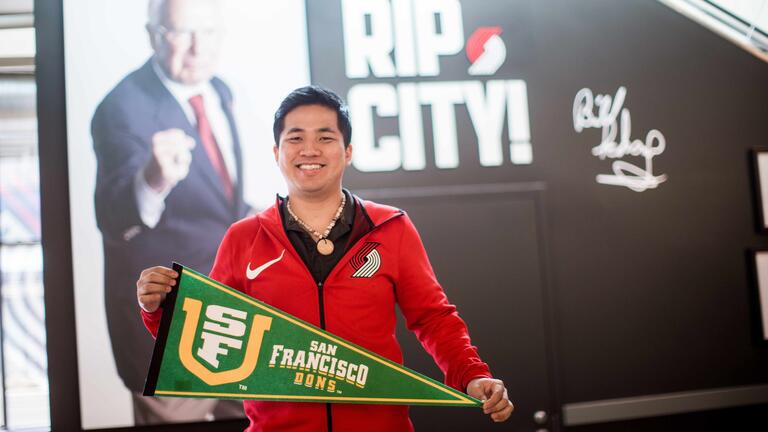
(252, 273)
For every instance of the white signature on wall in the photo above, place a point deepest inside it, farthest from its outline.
(607, 119)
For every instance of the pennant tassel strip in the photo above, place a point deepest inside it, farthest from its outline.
(216, 342)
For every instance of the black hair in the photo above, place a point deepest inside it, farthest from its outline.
(313, 95)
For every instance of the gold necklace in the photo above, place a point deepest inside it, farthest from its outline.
(324, 246)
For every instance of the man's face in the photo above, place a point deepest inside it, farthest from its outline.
(311, 155)
(186, 43)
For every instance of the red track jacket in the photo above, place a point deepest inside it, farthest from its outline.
(387, 265)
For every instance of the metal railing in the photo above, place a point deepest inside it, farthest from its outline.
(739, 29)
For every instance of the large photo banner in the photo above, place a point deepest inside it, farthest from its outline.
(169, 105)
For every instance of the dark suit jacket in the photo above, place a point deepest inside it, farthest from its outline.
(196, 214)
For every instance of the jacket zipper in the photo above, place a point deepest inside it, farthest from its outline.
(322, 307)
(328, 411)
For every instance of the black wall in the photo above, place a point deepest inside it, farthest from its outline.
(650, 290)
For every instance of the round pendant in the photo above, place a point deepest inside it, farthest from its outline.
(325, 246)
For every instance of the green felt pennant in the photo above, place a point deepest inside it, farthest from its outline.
(216, 342)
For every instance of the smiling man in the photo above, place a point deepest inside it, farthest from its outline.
(310, 255)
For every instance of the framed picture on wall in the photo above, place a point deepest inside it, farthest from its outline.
(760, 263)
(760, 163)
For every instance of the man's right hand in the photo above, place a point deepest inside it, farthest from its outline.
(152, 286)
(171, 156)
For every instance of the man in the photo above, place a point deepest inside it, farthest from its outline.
(311, 238)
(168, 183)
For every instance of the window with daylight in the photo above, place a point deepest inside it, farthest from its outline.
(23, 377)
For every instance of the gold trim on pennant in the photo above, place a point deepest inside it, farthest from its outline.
(318, 398)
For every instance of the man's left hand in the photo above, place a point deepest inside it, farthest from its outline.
(494, 396)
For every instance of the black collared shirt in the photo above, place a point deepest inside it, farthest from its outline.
(318, 264)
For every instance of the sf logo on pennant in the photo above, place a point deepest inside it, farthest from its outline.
(223, 341)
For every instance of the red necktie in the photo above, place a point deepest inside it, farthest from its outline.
(209, 143)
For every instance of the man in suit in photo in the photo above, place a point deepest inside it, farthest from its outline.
(168, 183)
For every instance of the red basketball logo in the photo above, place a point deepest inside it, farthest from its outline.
(486, 51)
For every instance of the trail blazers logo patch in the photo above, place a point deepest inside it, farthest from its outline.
(367, 261)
